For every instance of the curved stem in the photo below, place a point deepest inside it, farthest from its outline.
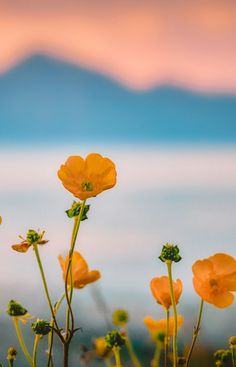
(45, 284)
(116, 351)
(36, 343)
(167, 336)
(175, 352)
(21, 341)
(195, 333)
(69, 313)
(50, 335)
(131, 351)
(157, 355)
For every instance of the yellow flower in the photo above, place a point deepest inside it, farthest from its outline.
(214, 279)
(161, 291)
(155, 326)
(101, 347)
(88, 177)
(81, 274)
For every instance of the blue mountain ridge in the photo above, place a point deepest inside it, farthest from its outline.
(45, 100)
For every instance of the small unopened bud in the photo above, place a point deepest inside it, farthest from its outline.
(33, 236)
(158, 336)
(11, 354)
(170, 252)
(114, 339)
(75, 209)
(16, 309)
(232, 341)
(41, 327)
(120, 318)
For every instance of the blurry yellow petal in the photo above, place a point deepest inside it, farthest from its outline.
(223, 264)
(21, 247)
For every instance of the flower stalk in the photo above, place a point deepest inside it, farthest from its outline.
(116, 351)
(195, 333)
(21, 341)
(157, 355)
(175, 351)
(131, 351)
(36, 343)
(167, 336)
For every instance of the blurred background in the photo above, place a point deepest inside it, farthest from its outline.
(151, 85)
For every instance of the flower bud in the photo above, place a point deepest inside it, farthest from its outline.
(74, 211)
(11, 354)
(120, 318)
(170, 252)
(114, 339)
(32, 236)
(101, 348)
(232, 341)
(16, 309)
(41, 327)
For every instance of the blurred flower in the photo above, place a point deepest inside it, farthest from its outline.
(155, 326)
(222, 355)
(160, 288)
(32, 238)
(232, 342)
(0, 219)
(120, 318)
(101, 347)
(214, 279)
(88, 177)
(81, 274)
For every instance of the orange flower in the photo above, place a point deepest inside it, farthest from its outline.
(87, 177)
(155, 326)
(215, 278)
(81, 274)
(161, 291)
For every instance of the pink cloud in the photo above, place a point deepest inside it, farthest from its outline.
(141, 44)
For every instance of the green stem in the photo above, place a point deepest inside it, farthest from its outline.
(156, 360)
(10, 362)
(131, 351)
(195, 333)
(50, 335)
(45, 283)
(233, 356)
(21, 341)
(69, 313)
(36, 343)
(116, 351)
(167, 336)
(175, 352)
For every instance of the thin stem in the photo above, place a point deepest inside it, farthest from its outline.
(156, 360)
(50, 335)
(10, 362)
(21, 341)
(131, 351)
(45, 284)
(195, 333)
(175, 352)
(36, 343)
(69, 313)
(66, 355)
(167, 336)
(116, 351)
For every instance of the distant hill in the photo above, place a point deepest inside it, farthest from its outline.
(46, 100)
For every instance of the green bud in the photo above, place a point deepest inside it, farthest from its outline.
(11, 354)
(159, 336)
(170, 252)
(74, 211)
(33, 236)
(15, 309)
(41, 327)
(120, 317)
(114, 339)
(223, 355)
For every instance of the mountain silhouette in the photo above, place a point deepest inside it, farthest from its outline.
(45, 100)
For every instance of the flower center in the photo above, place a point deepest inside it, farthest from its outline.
(214, 285)
(87, 186)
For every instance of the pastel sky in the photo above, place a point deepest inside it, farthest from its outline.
(141, 44)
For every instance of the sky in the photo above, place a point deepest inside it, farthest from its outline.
(152, 86)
